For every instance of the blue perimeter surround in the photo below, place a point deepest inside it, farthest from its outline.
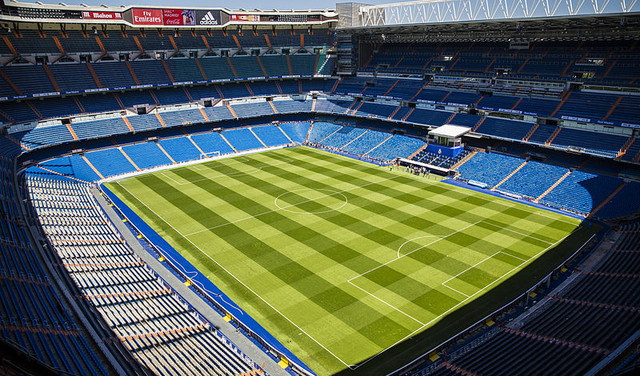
(219, 296)
(445, 150)
(497, 194)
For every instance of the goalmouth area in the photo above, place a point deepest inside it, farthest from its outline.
(341, 260)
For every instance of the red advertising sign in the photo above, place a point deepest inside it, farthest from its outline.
(245, 17)
(146, 16)
(101, 15)
(179, 16)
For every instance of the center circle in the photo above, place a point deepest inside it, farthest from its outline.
(311, 201)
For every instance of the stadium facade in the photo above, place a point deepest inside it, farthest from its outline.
(534, 101)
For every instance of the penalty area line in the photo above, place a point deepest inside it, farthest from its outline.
(238, 280)
(464, 301)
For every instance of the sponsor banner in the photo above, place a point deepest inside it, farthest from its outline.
(208, 17)
(146, 16)
(101, 15)
(508, 110)
(142, 86)
(46, 94)
(245, 17)
(179, 17)
(573, 118)
(630, 125)
(96, 90)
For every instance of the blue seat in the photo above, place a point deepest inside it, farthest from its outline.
(271, 135)
(181, 149)
(146, 155)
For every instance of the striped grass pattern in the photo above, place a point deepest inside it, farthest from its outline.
(337, 258)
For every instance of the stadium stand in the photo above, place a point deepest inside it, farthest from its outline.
(271, 135)
(181, 149)
(579, 325)
(76, 298)
(154, 325)
(396, 146)
(242, 139)
(489, 168)
(212, 143)
(582, 191)
(110, 162)
(297, 132)
(533, 179)
(146, 155)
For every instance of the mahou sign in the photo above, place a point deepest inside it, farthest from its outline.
(101, 15)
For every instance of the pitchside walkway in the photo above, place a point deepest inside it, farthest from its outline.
(248, 347)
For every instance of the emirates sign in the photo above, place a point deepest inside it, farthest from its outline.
(146, 16)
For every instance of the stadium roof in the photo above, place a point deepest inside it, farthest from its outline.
(598, 27)
(446, 11)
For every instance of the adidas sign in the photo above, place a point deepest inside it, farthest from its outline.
(208, 19)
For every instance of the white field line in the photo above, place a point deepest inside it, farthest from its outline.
(456, 290)
(424, 325)
(387, 303)
(514, 204)
(478, 263)
(435, 319)
(237, 279)
(287, 206)
(470, 267)
(519, 233)
(164, 173)
(415, 250)
(249, 170)
(516, 257)
(419, 237)
(230, 162)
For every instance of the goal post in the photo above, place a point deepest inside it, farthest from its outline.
(210, 155)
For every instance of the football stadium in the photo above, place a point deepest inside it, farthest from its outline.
(433, 187)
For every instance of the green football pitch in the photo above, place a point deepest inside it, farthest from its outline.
(340, 259)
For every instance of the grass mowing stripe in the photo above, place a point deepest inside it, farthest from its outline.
(290, 270)
(253, 293)
(330, 298)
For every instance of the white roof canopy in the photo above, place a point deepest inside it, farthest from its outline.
(450, 131)
(444, 11)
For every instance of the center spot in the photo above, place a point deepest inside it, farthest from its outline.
(311, 201)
